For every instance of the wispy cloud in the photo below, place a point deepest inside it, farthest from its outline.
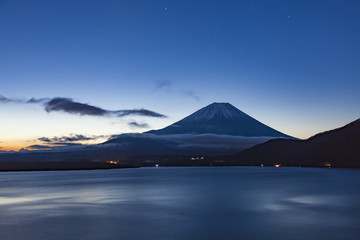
(138, 125)
(64, 142)
(17, 100)
(163, 84)
(38, 100)
(68, 105)
(11, 100)
(4, 99)
(55, 146)
(39, 147)
(67, 139)
(167, 86)
(138, 112)
(190, 94)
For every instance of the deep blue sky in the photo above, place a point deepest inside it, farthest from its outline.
(293, 65)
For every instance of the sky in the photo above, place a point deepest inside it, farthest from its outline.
(89, 69)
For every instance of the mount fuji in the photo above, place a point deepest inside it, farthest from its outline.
(219, 129)
(220, 118)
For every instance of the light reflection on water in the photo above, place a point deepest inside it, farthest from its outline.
(181, 203)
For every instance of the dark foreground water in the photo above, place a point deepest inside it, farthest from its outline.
(181, 203)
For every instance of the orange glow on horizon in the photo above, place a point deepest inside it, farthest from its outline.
(13, 145)
(18, 144)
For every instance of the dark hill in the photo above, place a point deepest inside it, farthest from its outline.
(339, 148)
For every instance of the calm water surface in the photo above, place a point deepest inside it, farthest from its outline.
(181, 203)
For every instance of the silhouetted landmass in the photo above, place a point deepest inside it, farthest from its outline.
(336, 148)
(49, 166)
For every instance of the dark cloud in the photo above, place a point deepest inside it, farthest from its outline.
(70, 106)
(138, 125)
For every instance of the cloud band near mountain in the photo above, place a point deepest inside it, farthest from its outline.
(67, 139)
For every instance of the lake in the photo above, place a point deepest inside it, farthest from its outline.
(181, 203)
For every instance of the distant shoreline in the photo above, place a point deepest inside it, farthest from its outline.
(69, 166)
(57, 166)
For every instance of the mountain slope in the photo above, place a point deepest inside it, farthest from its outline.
(220, 118)
(339, 148)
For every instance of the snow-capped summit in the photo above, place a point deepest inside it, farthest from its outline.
(217, 110)
(220, 118)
